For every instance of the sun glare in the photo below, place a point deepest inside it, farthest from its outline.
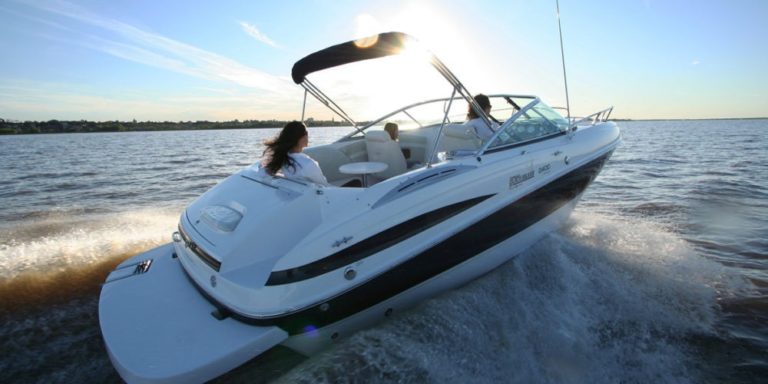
(413, 50)
(368, 29)
(383, 85)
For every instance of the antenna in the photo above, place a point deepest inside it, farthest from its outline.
(562, 55)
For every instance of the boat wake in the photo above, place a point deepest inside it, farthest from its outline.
(599, 301)
(58, 257)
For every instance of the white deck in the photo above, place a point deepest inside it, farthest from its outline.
(158, 328)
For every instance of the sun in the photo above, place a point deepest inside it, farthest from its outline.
(412, 66)
(430, 25)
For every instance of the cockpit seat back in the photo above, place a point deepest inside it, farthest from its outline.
(382, 148)
(458, 137)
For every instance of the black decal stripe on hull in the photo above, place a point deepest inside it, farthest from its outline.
(478, 237)
(373, 244)
(469, 242)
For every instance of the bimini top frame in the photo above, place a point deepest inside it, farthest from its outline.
(372, 47)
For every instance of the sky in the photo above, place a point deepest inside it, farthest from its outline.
(181, 60)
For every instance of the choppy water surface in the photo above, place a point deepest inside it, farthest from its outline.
(661, 275)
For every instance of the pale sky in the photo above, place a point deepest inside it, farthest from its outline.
(224, 60)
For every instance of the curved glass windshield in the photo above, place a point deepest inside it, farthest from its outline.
(432, 112)
(534, 121)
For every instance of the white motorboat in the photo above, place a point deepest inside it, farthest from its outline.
(260, 261)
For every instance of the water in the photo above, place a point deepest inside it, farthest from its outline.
(661, 275)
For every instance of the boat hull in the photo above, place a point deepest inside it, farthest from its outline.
(309, 343)
(509, 229)
(158, 328)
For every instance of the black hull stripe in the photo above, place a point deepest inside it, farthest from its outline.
(522, 143)
(480, 236)
(373, 244)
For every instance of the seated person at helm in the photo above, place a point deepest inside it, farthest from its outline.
(394, 134)
(284, 155)
(393, 130)
(474, 121)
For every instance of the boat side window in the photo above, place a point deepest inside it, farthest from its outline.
(538, 121)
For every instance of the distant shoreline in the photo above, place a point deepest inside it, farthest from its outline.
(10, 127)
(83, 126)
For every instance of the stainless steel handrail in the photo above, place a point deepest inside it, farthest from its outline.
(440, 130)
(597, 117)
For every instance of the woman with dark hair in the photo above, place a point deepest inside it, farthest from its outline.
(393, 130)
(482, 130)
(284, 155)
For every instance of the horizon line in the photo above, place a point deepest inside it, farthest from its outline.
(15, 121)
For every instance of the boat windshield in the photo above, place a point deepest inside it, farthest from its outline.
(534, 121)
(432, 113)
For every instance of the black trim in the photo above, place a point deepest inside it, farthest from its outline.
(204, 256)
(478, 237)
(484, 234)
(522, 143)
(373, 244)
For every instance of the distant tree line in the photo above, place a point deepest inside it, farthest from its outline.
(10, 127)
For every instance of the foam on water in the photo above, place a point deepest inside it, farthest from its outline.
(75, 253)
(601, 301)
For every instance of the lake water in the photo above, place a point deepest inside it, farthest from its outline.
(661, 275)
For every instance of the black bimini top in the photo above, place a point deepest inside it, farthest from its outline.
(373, 47)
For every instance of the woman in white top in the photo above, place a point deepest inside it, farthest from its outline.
(482, 130)
(284, 155)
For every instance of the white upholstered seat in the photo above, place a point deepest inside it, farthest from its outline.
(458, 136)
(383, 149)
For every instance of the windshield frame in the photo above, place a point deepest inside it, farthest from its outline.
(488, 147)
(430, 101)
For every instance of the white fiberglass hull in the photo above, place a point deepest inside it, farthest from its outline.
(159, 328)
(312, 342)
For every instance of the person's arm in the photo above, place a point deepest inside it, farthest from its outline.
(312, 172)
(316, 174)
(482, 130)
